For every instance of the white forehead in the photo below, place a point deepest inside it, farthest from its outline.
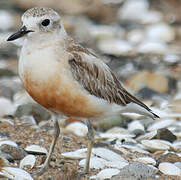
(36, 14)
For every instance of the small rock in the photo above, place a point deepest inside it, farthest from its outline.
(34, 109)
(77, 128)
(169, 169)
(135, 171)
(16, 153)
(3, 162)
(165, 134)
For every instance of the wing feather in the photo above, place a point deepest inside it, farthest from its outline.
(99, 80)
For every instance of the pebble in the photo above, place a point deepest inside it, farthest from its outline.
(169, 169)
(15, 152)
(136, 171)
(165, 134)
(28, 160)
(77, 128)
(36, 149)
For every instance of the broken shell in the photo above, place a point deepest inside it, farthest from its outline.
(35, 149)
(147, 136)
(107, 154)
(169, 169)
(146, 160)
(28, 160)
(16, 173)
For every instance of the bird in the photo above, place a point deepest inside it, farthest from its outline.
(67, 78)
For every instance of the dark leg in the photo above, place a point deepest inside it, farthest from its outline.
(47, 161)
(90, 136)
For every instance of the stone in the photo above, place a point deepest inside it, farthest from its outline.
(16, 153)
(135, 171)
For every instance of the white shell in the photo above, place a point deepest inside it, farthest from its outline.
(160, 32)
(156, 144)
(107, 154)
(161, 124)
(95, 163)
(28, 160)
(116, 136)
(6, 20)
(152, 47)
(114, 46)
(16, 173)
(78, 154)
(116, 164)
(135, 125)
(147, 136)
(146, 160)
(107, 173)
(11, 143)
(169, 169)
(77, 128)
(36, 149)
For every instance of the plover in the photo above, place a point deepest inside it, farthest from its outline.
(67, 78)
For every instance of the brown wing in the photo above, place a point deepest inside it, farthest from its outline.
(100, 81)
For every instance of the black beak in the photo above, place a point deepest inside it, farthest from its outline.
(19, 33)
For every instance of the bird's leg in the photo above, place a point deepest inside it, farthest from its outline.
(47, 161)
(90, 137)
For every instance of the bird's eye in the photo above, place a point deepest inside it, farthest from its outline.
(45, 22)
